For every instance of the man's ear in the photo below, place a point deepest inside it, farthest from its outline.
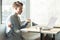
(15, 8)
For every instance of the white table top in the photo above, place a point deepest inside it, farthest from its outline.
(35, 29)
(51, 31)
(31, 29)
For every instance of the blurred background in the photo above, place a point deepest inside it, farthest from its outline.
(39, 11)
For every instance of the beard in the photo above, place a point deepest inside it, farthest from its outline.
(20, 13)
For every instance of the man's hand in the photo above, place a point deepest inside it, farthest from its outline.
(28, 20)
(9, 24)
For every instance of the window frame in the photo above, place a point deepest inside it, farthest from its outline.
(0, 11)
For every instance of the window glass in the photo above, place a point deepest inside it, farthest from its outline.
(7, 8)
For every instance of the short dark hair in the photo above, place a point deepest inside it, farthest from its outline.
(17, 4)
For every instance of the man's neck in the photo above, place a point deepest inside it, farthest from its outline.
(16, 13)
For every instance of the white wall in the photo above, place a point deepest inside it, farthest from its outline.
(54, 10)
(58, 11)
(38, 11)
(2, 29)
(42, 10)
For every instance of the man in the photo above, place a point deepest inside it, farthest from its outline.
(14, 23)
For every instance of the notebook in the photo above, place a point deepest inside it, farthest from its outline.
(51, 23)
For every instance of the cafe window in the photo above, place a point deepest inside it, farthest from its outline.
(7, 8)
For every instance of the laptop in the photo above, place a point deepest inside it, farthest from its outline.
(51, 23)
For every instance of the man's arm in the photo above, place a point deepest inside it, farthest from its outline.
(25, 23)
(16, 24)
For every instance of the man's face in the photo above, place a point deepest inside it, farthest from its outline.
(19, 10)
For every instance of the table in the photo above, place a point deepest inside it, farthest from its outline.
(31, 29)
(38, 30)
(51, 31)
